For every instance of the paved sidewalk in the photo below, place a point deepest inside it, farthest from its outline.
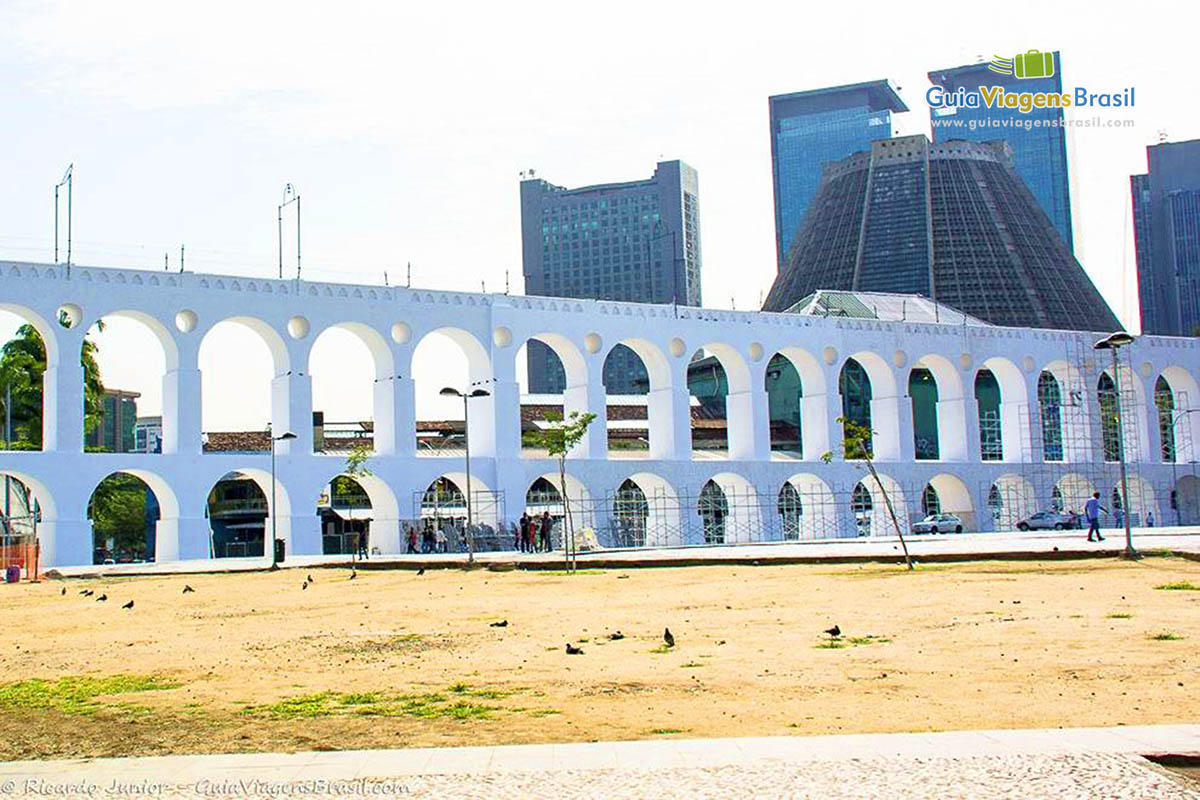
(931, 547)
(1050, 763)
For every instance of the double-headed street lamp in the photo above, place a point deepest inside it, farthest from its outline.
(272, 507)
(1114, 342)
(452, 392)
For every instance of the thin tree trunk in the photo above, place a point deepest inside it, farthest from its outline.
(887, 500)
(562, 489)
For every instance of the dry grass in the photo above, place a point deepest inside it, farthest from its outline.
(250, 663)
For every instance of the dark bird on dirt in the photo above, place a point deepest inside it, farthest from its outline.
(304, 586)
(353, 575)
(128, 605)
(572, 650)
(187, 589)
(87, 592)
(421, 571)
(309, 578)
(616, 637)
(64, 591)
(501, 624)
(668, 638)
(835, 631)
(101, 597)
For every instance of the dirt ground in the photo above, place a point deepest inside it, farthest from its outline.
(255, 662)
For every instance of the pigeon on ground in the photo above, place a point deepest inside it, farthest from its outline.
(309, 579)
(87, 593)
(501, 624)
(64, 591)
(616, 637)
(421, 571)
(304, 586)
(128, 605)
(187, 589)
(835, 631)
(572, 650)
(101, 597)
(353, 575)
(668, 639)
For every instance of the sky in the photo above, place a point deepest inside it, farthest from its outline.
(404, 130)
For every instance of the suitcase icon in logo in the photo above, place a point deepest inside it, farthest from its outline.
(1033, 64)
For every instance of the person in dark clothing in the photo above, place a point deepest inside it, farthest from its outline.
(412, 537)
(523, 533)
(363, 550)
(547, 525)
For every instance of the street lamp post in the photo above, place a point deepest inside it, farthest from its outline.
(1114, 342)
(271, 507)
(451, 392)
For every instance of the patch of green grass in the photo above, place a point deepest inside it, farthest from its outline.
(665, 731)
(75, 694)
(565, 572)
(851, 641)
(662, 648)
(1179, 586)
(433, 705)
(1119, 615)
(490, 694)
(1165, 636)
(544, 712)
(693, 664)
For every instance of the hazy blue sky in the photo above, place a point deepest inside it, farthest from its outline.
(405, 130)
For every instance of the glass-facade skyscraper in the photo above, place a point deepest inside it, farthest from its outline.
(809, 129)
(1166, 230)
(637, 241)
(1038, 139)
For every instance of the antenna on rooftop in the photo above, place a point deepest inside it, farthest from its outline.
(67, 179)
(166, 260)
(385, 283)
(181, 258)
(408, 280)
(1162, 135)
(506, 281)
(289, 196)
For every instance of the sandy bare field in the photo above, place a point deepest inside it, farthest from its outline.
(254, 662)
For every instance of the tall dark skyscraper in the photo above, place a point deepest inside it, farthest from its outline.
(1166, 229)
(1038, 138)
(637, 241)
(950, 221)
(809, 129)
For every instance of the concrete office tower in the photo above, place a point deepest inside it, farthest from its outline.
(950, 221)
(810, 129)
(1166, 228)
(637, 241)
(1037, 138)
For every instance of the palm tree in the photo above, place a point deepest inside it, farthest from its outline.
(22, 366)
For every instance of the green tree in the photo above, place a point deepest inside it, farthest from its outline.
(559, 437)
(22, 366)
(118, 511)
(856, 446)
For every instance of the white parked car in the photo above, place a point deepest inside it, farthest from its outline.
(938, 523)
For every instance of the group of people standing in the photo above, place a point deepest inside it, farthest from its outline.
(432, 540)
(533, 533)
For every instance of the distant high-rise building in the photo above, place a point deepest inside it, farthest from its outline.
(1038, 138)
(1166, 230)
(809, 129)
(950, 221)
(637, 241)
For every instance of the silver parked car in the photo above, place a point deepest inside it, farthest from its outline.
(938, 523)
(1049, 520)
